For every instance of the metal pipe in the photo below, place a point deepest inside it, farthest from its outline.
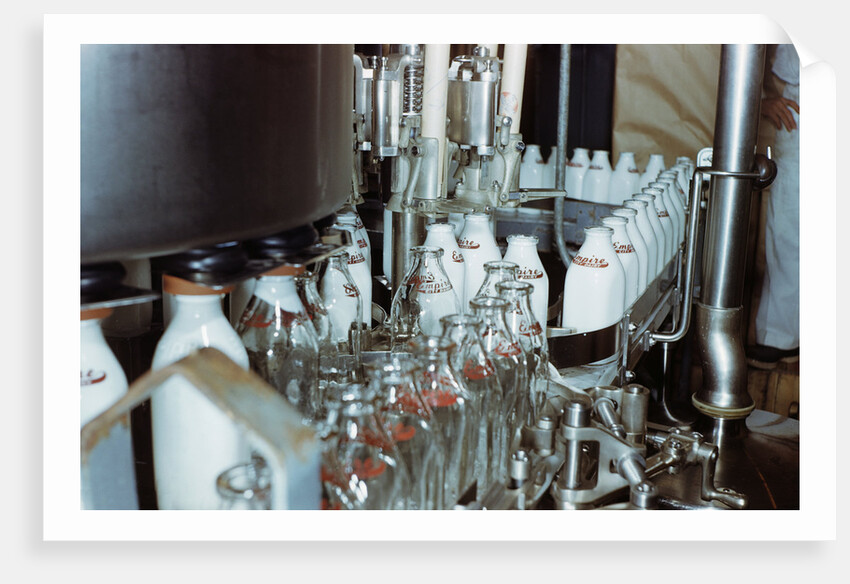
(735, 136)
(719, 314)
(561, 162)
(690, 261)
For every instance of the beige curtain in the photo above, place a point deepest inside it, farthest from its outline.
(664, 100)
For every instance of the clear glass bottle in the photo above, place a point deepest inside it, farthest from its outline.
(102, 379)
(245, 487)
(348, 216)
(411, 425)
(470, 362)
(360, 273)
(595, 284)
(307, 286)
(281, 342)
(361, 454)
(424, 297)
(524, 326)
(451, 404)
(193, 440)
(495, 272)
(341, 298)
(504, 351)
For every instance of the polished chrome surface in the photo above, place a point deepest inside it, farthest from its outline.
(719, 343)
(560, 165)
(735, 136)
(183, 146)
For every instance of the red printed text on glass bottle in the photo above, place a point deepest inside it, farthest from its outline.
(92, 376)
(351, 290)
(507, 349)
(624, 248)
(457, 257)
(366, 469)
(591, 262)
(402, 432)
(476, 371)
(530, 331)
(466, 243)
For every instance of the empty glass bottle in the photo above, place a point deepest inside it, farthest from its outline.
(307, 286)
(408, 421)
(424, 297)
(453, 411)
(281, 341)
(341, 298)
(495, 272)
(521, 322)
(245, 487)
(471, 364)
(361, 454)
(504, 351)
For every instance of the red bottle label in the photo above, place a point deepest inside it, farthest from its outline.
(634, 171)
(594, 167)
(465, 243)
(403, 433)
(575, 164)
(623, 248)
(356, 258)
(663, 214)
(367, 469)
(476, 371)
(457, 257)
(529, 274)
(256, 320)
(591, 262)
(92, 376)
(439, 398)
(362, 243)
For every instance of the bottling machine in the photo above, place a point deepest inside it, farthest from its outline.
(239, 155)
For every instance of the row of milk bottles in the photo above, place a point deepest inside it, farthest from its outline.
(591, 178)
(627, 251)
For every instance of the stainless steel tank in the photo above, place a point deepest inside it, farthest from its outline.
(190, 145)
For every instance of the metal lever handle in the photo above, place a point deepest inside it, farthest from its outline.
(707, 455)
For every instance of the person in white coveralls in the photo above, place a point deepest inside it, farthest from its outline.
(777, 326)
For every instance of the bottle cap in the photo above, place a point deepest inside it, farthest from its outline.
(95, 313)
(174, 285)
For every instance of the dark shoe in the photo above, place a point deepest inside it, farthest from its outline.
(764, 357)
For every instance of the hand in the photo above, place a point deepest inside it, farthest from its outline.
(776, 109)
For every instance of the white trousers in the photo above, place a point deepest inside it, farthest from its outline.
(778, 316)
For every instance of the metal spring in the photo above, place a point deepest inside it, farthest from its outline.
(413, 89)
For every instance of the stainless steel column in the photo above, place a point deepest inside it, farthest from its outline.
(719, 313)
